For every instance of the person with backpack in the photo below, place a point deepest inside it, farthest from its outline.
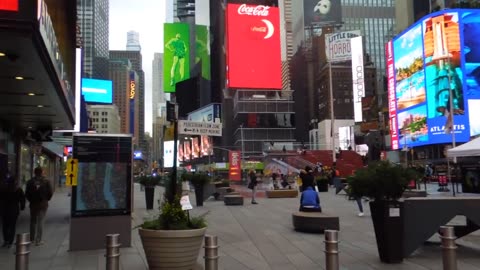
(38, 192)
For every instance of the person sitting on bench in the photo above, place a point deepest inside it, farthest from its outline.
(309, 201)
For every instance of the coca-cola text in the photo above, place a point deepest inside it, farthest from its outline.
(259, 10)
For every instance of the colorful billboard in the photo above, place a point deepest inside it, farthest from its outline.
(202, 49)
(176, 55)
(168, 147)
(195, 148)
(235, 168)
(434, 60)
(338, 46)
(187, 151)
(9, 5)
(324, 12)
(253, 47)
(358, 78)
(206, 146)
(97, 91)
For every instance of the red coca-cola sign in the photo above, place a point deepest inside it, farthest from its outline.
(9, 5)
(253, 47)
(259, 10)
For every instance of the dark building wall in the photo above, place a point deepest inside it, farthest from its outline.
(299, 82)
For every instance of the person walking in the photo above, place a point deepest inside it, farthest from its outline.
(12, 201)
(253, 184)
(39, 192)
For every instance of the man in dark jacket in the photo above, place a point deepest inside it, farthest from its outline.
(307, 178)
(12, 200)
(309, 201)
(39, 192)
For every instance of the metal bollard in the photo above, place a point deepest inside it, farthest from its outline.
(113, 252)
(331, 250)
(449, 253)
(22, 251)
(211, 252)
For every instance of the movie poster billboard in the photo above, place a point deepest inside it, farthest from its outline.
(206, 146)
(253, 47)
(202, 49)
(176, 55)
(104, 174)
(195, 148)
(187, 151)
(322, 12)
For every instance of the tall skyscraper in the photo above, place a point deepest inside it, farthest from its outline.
(93, 19)
(120, 75)
(158, 102)
(376, 20)
(135, 58)
(133, 41)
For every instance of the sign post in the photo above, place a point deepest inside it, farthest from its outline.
(72, 172)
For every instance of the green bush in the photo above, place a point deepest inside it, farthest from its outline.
(172, 217)
(380, 181)
(149, 181)
(196, 178)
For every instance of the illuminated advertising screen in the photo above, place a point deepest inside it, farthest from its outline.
(176, 54)
(97, 91)
(180, 153)
(168, 154)
(9, 5)
(357, 77)
(202, 49)
(211, 113)
(253, 47)
(431, 59)
(206, 146)
(131, 96)
(235, 168)
(187, 151)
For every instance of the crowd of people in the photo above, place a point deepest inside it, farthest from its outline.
(38, 193)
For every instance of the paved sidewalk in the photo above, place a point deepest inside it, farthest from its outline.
(252, 237)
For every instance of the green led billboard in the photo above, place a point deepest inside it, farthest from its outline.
(202, 49)
(176, 56)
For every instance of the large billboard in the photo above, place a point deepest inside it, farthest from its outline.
(432, 58)
(211, 114)
(202, 49)
(358, 78)
(176, 54)
(322, 12)
(253, 47)
(97, 91)
(338, 47)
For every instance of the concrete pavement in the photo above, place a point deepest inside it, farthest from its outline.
(250, 237)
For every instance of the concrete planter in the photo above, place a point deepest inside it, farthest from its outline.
(172, 249)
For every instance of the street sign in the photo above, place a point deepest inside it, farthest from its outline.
(72, 172)
(199, 128)
(185, 203)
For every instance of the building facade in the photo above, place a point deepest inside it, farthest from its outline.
(104, 118)
(120, 75)
(93, 19)
(135, 58)
(158, 103)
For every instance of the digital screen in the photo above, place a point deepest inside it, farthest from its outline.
(176, 54)
(104, 175)
(9, 5)
(168, 154)
(325, 11)
(97, 91)
(195, 148)
(253, 50)
(187, 151)
(202, 49)
(431, 59)
(206, 146)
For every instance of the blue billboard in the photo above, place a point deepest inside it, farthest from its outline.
(438, 55)
(97, 91)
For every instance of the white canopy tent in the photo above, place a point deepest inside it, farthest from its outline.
(472, 148)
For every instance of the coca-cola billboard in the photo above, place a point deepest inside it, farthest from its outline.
(235, 169)
(253, 47)
(9, 5)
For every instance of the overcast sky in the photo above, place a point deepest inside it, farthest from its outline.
(147, 18)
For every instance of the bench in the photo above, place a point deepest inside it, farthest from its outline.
(233, 199)
(222, 191)
(314, 222)
(282, 193)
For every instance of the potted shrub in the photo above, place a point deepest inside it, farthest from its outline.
(384, 183)
(172, 240)
(149, 182)
(322, 183)
(198, 181)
